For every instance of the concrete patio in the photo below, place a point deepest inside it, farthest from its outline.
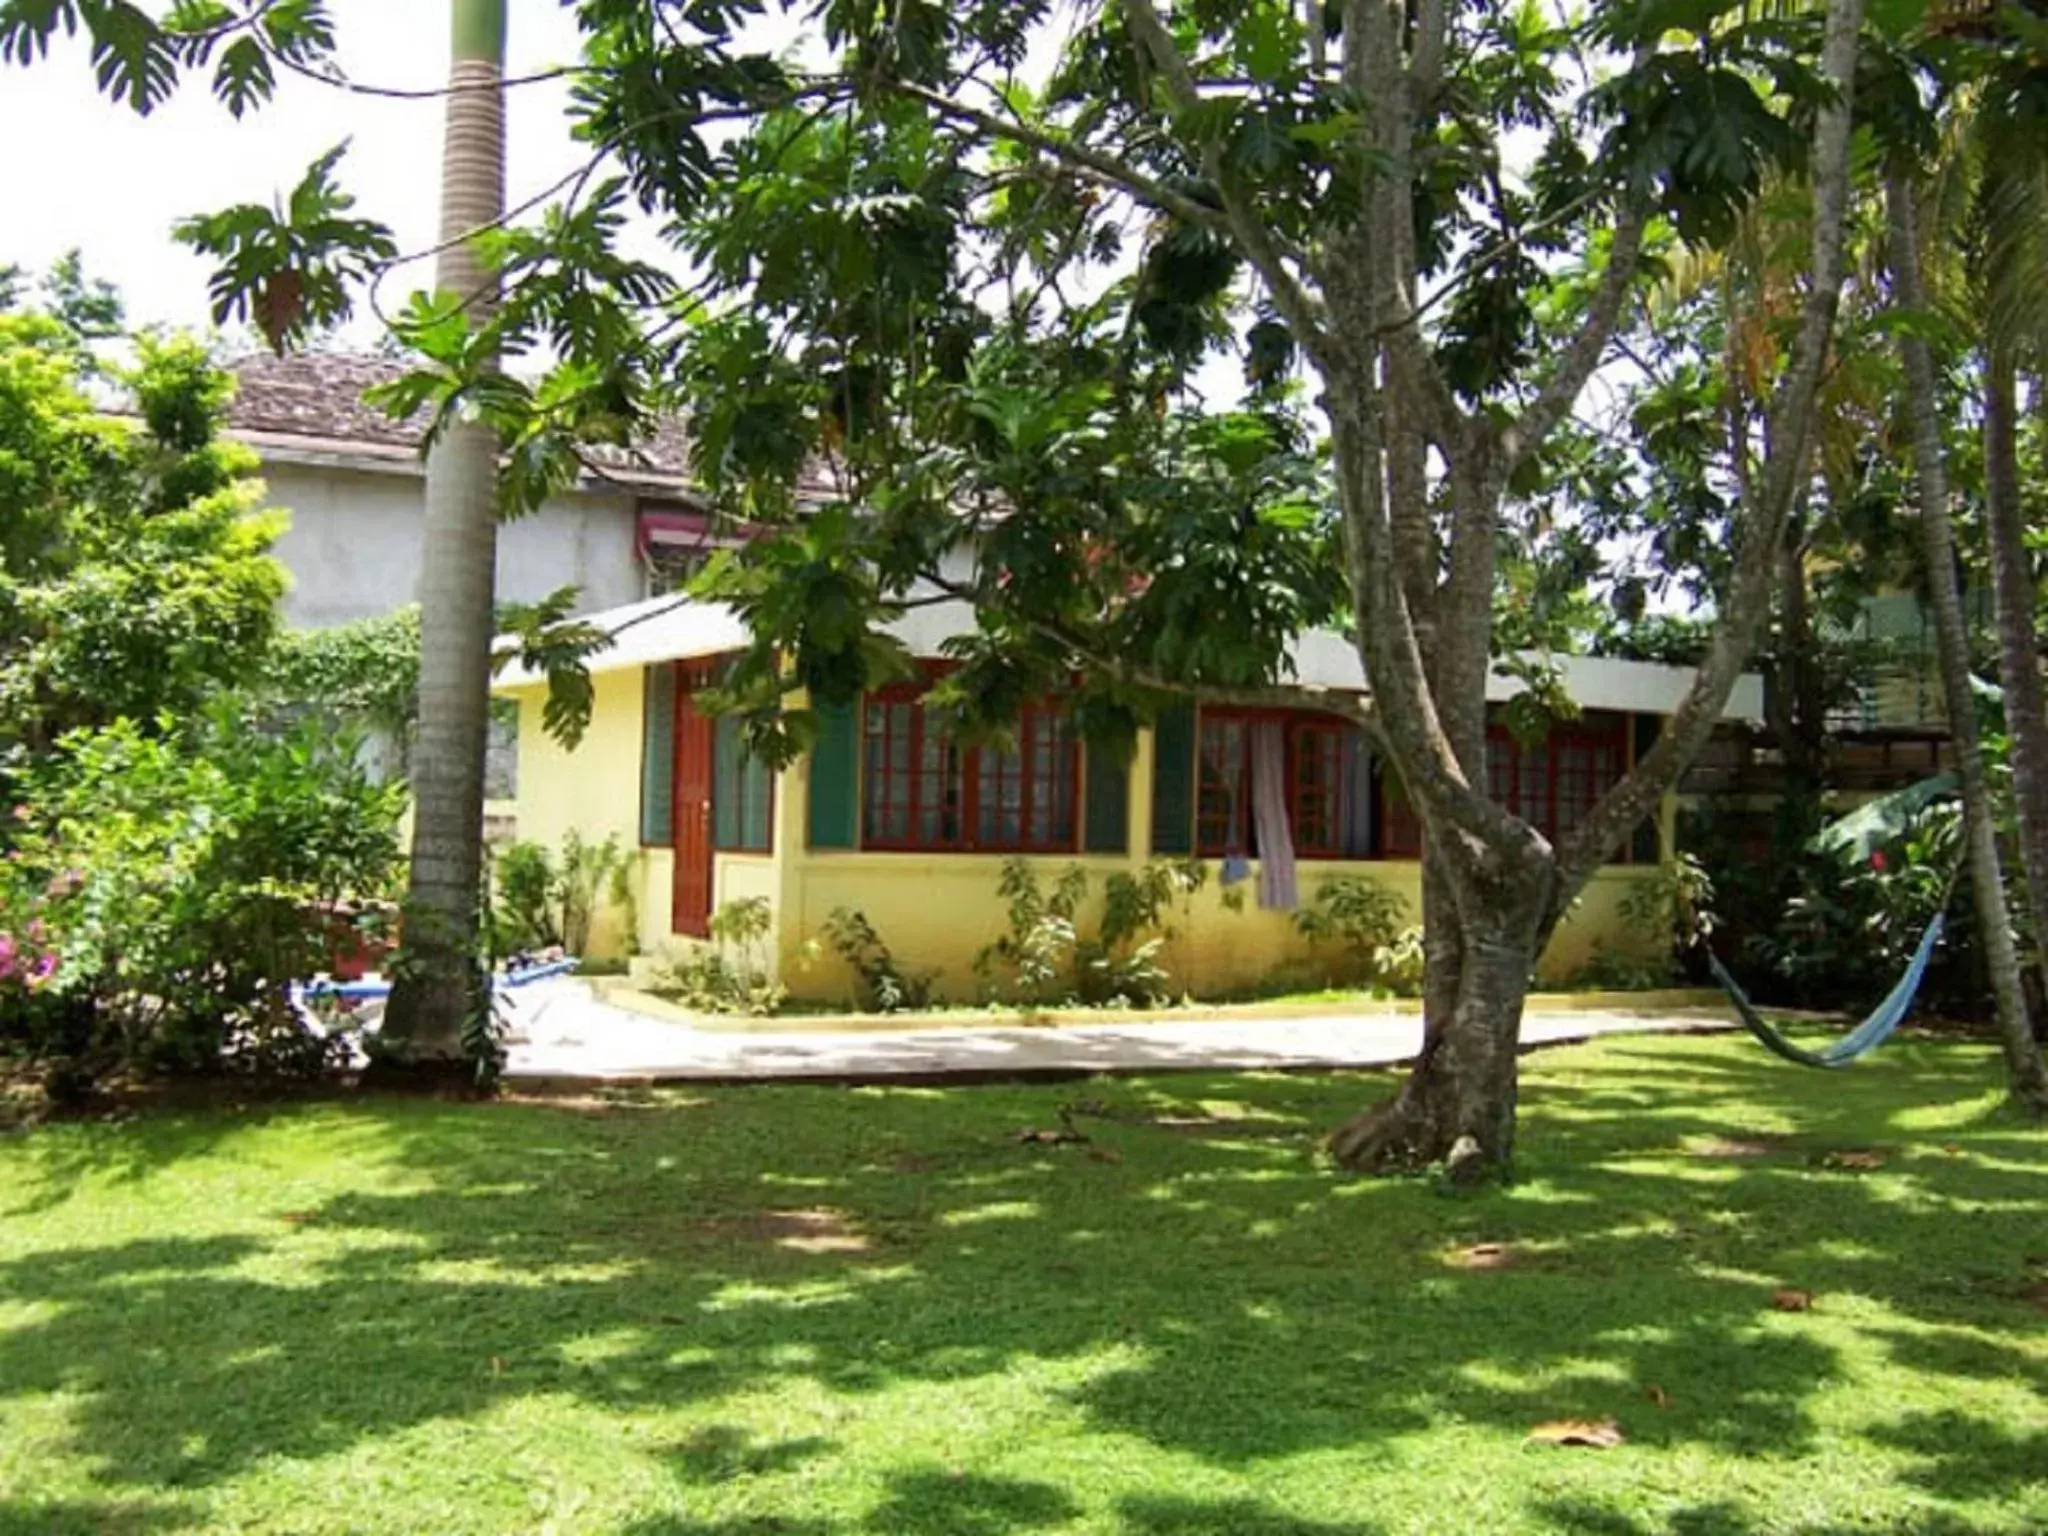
(565, 1033)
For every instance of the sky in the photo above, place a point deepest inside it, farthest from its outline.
(81, 171)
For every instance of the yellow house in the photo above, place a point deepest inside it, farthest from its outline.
(887, 817)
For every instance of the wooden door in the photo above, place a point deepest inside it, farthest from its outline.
(692, 910)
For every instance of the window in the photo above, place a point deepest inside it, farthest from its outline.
(742, 793)
(921, 791)
(1315, 761)
(1223, 782)
(1553, 784)
(1325, 799)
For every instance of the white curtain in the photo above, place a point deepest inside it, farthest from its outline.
(1269, 817)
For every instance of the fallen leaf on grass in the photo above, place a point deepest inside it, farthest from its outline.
(1734, 1146)
(1857, 1158)
(1105, 1155)
(295, 1218)
(1484, 1256)
(1597, 1434)
(1049, 1138)
(1787, 1299)
(1657, 1395)
(497, 1365)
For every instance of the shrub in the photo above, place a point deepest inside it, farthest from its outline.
(1044, 957)
(164, 891)
(1802, 927)
(524, 876)
(543, 901)
(1366, 923)
(731, 974)
(884, 985)
(1665, 913)
(1034, 962)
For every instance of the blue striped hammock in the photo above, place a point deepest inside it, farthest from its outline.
(1865, 1037)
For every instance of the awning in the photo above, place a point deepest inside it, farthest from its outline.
(684, 629)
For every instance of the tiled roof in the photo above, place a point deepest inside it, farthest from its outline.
(316, 398)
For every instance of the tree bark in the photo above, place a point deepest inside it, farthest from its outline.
(2019, 644)
(439, 983)
(2024, 1066)
(1493, 876)
(1457, 1106)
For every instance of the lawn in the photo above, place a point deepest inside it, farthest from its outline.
(829, 1312)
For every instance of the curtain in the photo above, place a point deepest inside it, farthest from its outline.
(1269, 816)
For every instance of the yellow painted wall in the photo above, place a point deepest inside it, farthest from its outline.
(937, 910)
(594, 788)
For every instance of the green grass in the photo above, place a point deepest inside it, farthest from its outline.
(400, 1316)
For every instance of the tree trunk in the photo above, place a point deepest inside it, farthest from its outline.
(2024, 1065)
(439, 983)
(1457, 1106)
(2019, 647)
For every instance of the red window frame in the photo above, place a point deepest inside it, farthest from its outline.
(921, 793)
(1223, 811)
(1314, 755)
(1553, 784)
(1315, 788)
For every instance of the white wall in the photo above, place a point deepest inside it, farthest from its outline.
(354, 545)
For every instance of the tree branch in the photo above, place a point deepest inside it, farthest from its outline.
(1106, 167)
(1791, 424)
(1260, 245)
(1560, 392)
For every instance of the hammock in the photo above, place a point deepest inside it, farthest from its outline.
(1865, 1037)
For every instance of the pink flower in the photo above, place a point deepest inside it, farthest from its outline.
(10, 956)
(1878, 861)
(44, 968)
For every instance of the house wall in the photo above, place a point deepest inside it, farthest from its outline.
(935, 911)
(594, 790)
(353, 548)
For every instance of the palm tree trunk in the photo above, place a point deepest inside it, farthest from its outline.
(2019, 648)
(2029, 1077)
(438, 983)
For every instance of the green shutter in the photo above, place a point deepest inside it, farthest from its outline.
(1644, 846)
(1106, 822)
(835, 778)
(657, 755)
(740, 791)
(1173, 780)
(728, 784)
(757, 822)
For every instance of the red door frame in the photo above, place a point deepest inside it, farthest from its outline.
(691, 912)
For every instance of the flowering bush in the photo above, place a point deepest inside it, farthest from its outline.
(163, 891)
(1810, 926)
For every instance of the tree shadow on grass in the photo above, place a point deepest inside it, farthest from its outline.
(934, 1503)
(719, 1453)
(1253, 1306)
(88, 1517)
(1570, 1517)
(1968, 1457)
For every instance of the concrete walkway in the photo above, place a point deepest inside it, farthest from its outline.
(566, 1033)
